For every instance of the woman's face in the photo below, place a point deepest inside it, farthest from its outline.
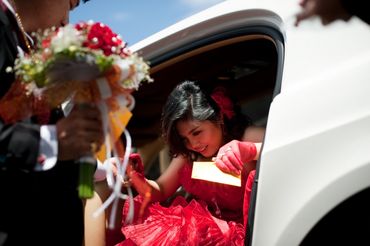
(203, 137)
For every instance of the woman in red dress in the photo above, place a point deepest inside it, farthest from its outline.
(197, 127)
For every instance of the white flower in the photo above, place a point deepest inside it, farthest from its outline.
(67, 37)
(133, 71)
(125, 67)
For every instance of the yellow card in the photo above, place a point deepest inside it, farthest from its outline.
(118, 120)
(207, 170)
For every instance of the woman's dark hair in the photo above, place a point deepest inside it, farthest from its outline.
(188, 101)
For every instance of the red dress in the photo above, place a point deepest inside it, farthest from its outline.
(213, 217)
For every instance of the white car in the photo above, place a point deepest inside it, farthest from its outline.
(310, 88)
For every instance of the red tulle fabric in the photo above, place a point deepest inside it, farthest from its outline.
(183, 224)
(213, 217)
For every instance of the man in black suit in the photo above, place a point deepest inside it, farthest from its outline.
(39, 203)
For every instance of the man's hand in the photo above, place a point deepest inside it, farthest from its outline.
(327, 10)
(80, 133)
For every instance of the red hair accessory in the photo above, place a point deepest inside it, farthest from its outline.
(224, 103)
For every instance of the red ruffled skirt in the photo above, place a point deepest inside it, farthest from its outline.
(181, 223)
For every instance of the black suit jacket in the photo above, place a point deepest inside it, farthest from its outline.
(36, 208)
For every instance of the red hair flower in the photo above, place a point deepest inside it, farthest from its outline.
(224, 103)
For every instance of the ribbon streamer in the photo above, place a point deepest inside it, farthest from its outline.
(116, 187)
(113, 128)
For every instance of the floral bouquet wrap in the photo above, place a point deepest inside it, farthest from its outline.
(81, 63)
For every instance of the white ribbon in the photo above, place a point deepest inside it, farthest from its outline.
(116, 185)
(114, 182)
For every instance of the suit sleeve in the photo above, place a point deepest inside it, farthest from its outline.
(8, 53)
(19, 146)
(19, 142)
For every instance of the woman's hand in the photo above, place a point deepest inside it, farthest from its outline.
(135, 167)
(232, 156)
(135, 178)
(135, 172)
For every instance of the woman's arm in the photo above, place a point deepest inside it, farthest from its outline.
(254, 134)
(159, 190)
(167, 184)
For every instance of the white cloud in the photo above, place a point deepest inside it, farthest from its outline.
(199, 4)
(119, 16)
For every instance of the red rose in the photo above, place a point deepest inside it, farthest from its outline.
(101, 37)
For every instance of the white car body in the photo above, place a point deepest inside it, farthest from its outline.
(316, 151)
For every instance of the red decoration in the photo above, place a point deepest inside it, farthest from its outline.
(224, 103)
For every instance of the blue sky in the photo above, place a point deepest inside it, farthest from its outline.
(136, 19)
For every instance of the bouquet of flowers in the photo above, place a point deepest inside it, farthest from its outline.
(80, 52)
(85, 62)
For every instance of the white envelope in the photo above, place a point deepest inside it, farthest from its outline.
(207, 170)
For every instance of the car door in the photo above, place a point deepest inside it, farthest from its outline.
(313, 184)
